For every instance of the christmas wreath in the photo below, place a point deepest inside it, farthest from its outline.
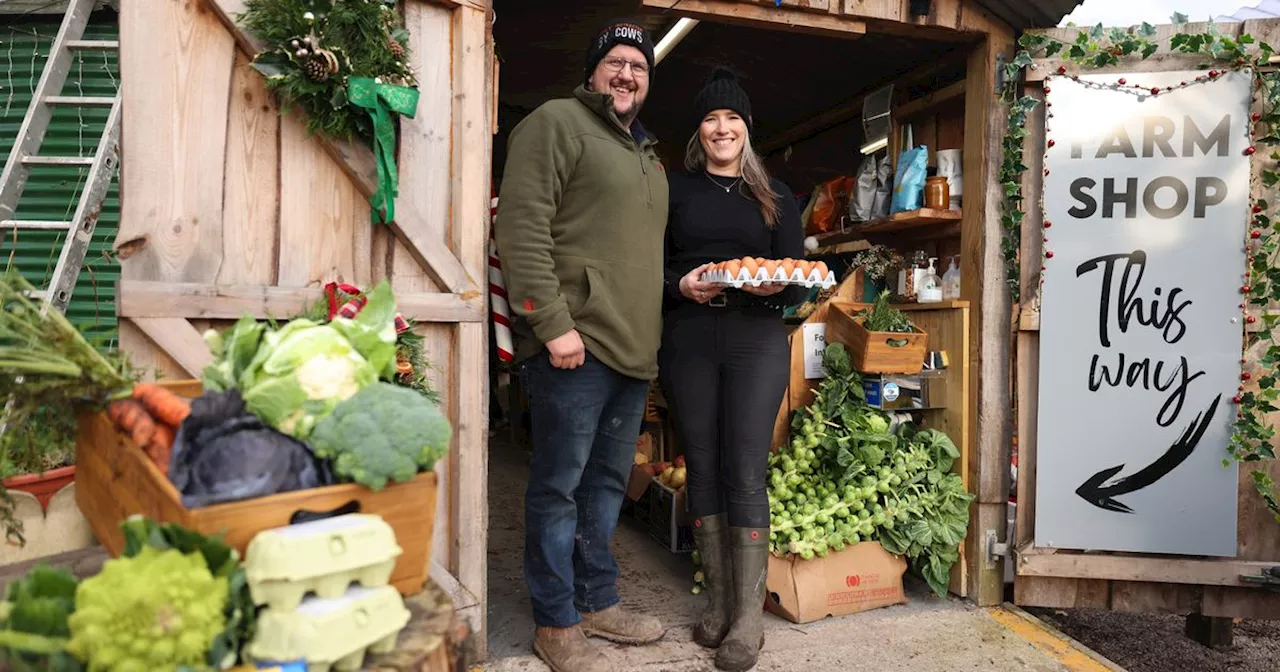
(344, 64)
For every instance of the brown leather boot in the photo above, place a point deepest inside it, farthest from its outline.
(567, 650)
(711, 534)
(624, 627)
(741, 647)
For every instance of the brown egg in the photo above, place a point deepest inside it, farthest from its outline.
(751, 265)
(788, 267)
(821, 267)
(770, 269)
(760, 261)
(733, 267)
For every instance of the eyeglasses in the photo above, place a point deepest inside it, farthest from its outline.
(614, 66)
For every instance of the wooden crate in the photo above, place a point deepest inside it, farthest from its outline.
(873, 351)
(115, 479)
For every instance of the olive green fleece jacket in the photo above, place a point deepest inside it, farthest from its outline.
(582, 216)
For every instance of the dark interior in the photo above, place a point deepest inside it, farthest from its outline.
(791, 78)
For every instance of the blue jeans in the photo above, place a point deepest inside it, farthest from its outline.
(585, 425)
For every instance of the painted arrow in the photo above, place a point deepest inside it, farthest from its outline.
(1103, 497)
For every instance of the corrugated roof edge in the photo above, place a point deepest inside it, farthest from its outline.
(1026, 14)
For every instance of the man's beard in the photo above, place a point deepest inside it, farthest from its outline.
(631, 114)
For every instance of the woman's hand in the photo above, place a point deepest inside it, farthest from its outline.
(694, 289)
(765, 289)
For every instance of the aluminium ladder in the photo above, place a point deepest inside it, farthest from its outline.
(25, 154)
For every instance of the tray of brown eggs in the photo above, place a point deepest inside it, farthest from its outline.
(756, 271)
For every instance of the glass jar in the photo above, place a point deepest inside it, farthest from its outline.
(937, 193)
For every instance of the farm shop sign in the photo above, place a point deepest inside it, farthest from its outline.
(1146, 205)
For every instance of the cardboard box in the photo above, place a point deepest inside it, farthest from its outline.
(859, 578)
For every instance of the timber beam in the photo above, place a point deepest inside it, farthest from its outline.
(145, 300)
(756, 16)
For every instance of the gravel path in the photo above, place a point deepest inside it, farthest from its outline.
(1156, 642)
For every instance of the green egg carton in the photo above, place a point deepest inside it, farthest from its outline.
(331, 633)
(323, 557)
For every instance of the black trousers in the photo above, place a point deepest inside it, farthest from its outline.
(723, 372)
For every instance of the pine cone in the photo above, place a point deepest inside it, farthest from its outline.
(397, 49)
(317, 69)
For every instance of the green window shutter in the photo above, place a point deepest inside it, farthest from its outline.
(51, 192)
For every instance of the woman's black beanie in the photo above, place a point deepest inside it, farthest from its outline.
(722, 92)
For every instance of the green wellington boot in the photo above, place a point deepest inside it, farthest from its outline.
(711, 534)
(741, 647)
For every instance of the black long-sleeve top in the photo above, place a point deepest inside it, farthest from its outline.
(707, 225)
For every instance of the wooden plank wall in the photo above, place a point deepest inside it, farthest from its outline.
(230, 207)
(1125, 582)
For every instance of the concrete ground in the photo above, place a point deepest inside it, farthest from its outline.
(926, 634)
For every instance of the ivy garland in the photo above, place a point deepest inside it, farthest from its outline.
(1252, 438)
(315, 46)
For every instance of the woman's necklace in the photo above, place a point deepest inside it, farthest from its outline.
(720, 184)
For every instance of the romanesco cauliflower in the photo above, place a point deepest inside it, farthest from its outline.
(382, 433)
(157, 610)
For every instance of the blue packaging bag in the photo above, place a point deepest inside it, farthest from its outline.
(908, 185)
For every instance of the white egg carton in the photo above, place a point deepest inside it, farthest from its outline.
(797, 277)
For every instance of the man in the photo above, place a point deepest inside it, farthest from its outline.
(580, 228)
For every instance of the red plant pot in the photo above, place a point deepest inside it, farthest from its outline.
(42, 486)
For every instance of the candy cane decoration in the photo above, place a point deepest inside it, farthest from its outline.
(500, 311)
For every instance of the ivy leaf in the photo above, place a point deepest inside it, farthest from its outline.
(1149, 50)
(1076, 50)
(1147, 30)
(1082, 38)
(1022, 59)
(1053, 48)
(1179, 18)
(1097, 32)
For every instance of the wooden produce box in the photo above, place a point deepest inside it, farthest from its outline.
(115, 479)
(876, 352)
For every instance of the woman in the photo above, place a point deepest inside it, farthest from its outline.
(725, 361)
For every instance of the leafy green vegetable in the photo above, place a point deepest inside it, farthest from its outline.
(383, 433)
(294, 376)
(848, 476)
(33, 622)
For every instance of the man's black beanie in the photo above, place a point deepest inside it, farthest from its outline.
(618, 32)
(722, 92)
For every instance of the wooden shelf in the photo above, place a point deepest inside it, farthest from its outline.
(922, 223)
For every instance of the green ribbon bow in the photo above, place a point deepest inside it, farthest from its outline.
(381, 100)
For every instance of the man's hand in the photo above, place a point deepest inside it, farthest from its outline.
(695, 289)
(765, 289)
(567, 351)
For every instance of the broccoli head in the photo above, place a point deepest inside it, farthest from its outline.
(384, 432)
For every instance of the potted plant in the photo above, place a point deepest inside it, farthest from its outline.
(880, 339)
(54, 373)
(876, 263)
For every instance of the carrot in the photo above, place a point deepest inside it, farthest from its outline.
(144, 430)
(126, 413)
(163, 405)
(161, 446)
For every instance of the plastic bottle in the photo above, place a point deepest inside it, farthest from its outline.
(931, 284)
(951, 281)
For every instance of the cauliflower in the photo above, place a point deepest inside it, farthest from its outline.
(382, 433)
(157, 610)
(294, 376)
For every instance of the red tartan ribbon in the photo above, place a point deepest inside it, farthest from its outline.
(353, 305)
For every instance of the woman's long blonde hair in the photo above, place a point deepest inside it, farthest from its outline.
(754, 174)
